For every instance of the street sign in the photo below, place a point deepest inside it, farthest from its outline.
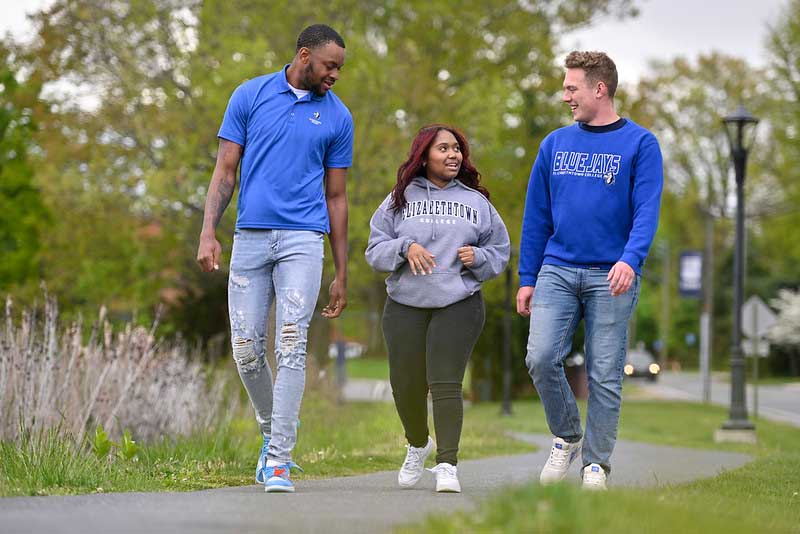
(762, 346)
(757, 317)
(690, 274)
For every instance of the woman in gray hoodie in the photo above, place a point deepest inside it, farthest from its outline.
(440, 238)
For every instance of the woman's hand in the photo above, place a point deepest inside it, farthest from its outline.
(420, 260)
(467, 255)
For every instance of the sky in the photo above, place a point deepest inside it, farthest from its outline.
(663, 30)
(666, 29)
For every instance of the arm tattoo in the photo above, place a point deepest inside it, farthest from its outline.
(219, 195)
(220, 199)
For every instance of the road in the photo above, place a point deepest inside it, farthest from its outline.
(775, 402)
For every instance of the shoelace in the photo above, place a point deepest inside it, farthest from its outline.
(413, 456)
(290, 466)
(558, 457)
(449, 470)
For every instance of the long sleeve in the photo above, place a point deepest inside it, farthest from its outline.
(648, 182)
(493, 250)
(385, 251)
(537, 222)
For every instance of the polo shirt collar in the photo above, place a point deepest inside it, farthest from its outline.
(285, 88)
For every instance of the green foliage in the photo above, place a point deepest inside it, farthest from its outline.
(128, 449)
(101, 445)
(22, 214)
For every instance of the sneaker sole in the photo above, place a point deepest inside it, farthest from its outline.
(279, 489)
(448, 490)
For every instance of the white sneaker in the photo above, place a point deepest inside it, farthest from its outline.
(414, 465)
(594, 478)
(446, 478)
(562, 454)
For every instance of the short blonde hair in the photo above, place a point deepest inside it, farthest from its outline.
(597, 66)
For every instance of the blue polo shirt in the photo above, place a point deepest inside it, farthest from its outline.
(288, 143)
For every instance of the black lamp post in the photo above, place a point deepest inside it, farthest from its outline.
(740, 127)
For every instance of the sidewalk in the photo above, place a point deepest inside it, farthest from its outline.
(366, 503)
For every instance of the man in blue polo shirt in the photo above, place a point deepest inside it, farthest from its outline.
(294, 140)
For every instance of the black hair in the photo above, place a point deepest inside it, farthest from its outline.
(318, 35)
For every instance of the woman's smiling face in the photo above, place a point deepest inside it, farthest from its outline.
(444, 158)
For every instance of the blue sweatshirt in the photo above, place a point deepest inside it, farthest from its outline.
(593, 199)
(441, 220)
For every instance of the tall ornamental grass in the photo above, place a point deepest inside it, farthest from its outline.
(52, 378)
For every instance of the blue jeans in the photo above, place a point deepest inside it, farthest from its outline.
(563, 296)
(284, 266)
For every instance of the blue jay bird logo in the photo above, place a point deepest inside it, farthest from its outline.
(314, 118)
(609, 178)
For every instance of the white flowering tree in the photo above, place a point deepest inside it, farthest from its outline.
(787, 330)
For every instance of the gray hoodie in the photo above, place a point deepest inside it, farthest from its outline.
(441, 220)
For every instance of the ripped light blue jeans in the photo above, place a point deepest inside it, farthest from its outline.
(563, 296)
(284, 266)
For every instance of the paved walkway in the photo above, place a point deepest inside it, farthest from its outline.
(366, 503)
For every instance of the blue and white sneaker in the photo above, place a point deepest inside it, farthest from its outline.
(278, 478)
(561, 457)
(262, 462)
(594, 478)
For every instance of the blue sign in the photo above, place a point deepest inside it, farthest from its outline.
(690, 274)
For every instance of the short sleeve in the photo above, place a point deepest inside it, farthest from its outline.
(234, 123)
(340, 152)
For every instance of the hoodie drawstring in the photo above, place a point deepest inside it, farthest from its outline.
(433, 226)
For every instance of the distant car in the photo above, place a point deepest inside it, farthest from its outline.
(640, 362)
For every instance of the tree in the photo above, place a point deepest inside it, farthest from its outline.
(786, 332)
(22, 213)
(780, 243)
(683, 103)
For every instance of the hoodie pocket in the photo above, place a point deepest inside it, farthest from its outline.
(427, 291)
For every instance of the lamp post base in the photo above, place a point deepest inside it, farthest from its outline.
(736, 434)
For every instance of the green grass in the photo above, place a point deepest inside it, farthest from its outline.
(762, 496)
(334, 440)
(377, 368)
(368, 367)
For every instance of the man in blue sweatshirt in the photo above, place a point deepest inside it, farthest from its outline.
(590, 216)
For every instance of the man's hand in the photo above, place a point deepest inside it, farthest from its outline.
(420, 260)
(524, 298)
(620, 278)
(338, 302)
(467, 255)
(208, 253)
(220, 191)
